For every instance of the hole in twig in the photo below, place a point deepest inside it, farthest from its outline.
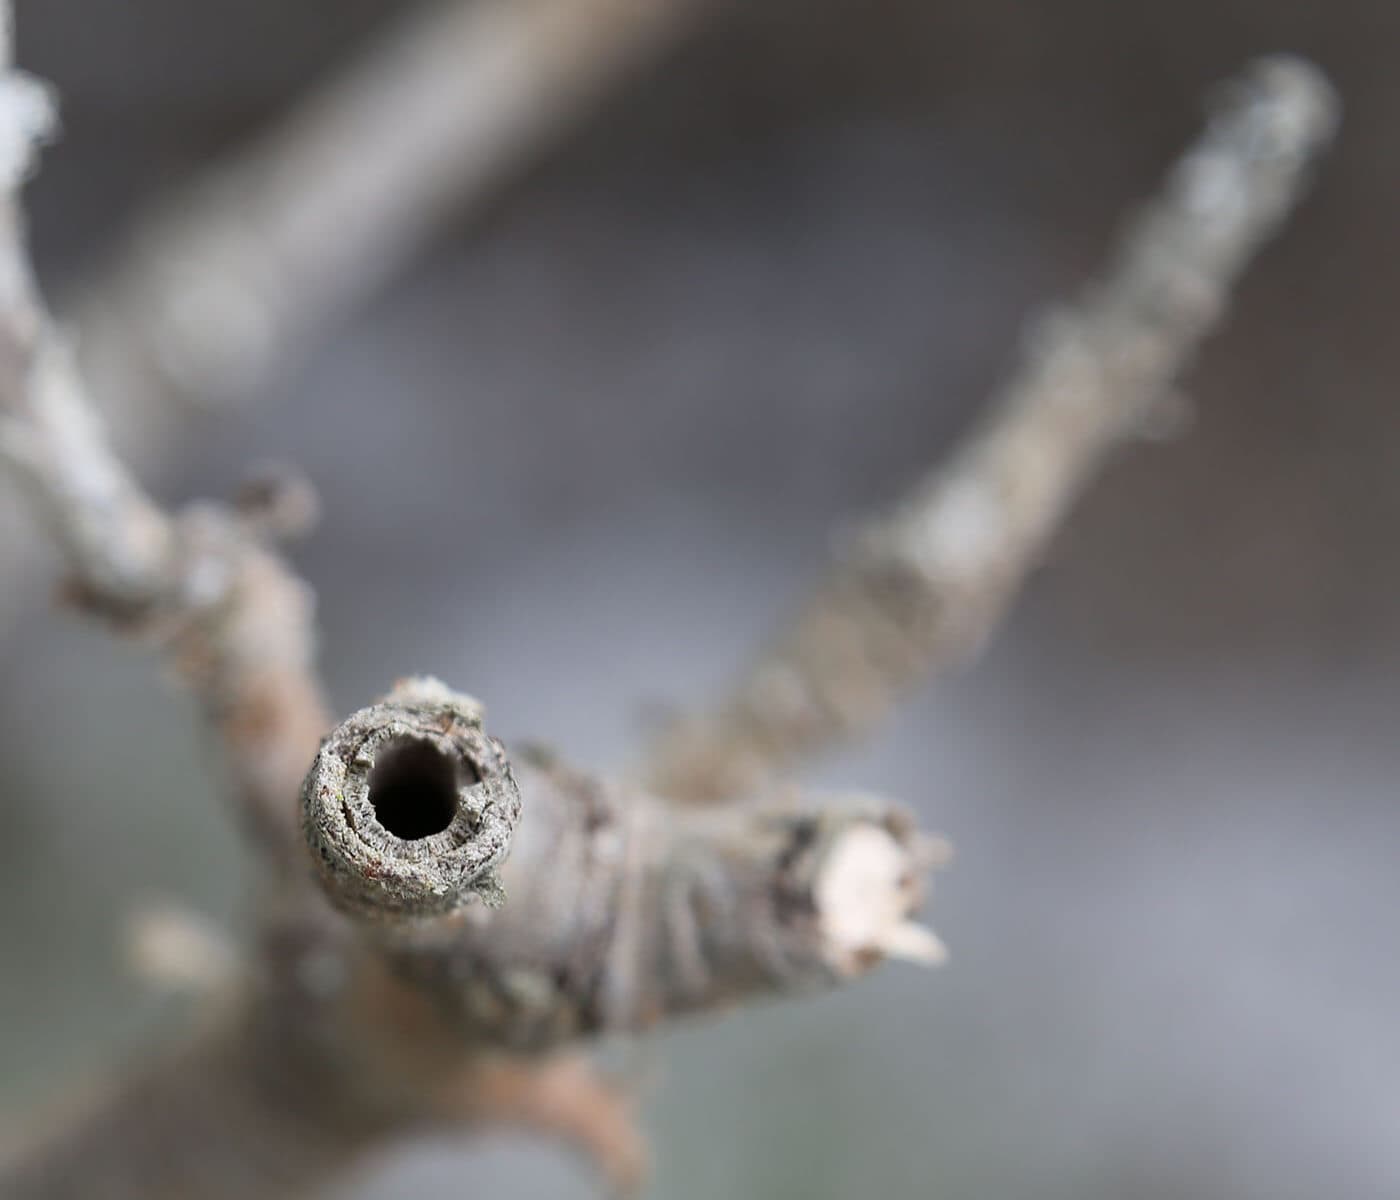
(413, 789)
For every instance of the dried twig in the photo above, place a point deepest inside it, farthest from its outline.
(619, 910)
(921, 588)
(257, 257)
(232, 621)
(263, 251)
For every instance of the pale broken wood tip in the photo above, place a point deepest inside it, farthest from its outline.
(866, 893)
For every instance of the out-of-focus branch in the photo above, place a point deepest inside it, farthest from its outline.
(246, 1108)
(564, 1096)
(256, 258)
(921, 588)
(232, 621)
(265, 250)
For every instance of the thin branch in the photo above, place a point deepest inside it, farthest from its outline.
(265, 250)
(921, 588)
(234, 624)
(564, 1096)
(234, 275)
(241, 1110)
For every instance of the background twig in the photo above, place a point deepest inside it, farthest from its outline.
(250, 263)
(232, 622)
(921, 589)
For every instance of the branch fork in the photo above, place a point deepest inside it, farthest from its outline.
(445, 925)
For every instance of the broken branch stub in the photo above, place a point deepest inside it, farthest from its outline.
(625, 911)
(410, 806)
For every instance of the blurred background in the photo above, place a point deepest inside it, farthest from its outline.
(595, 437)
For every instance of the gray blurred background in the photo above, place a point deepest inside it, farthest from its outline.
(590, 445)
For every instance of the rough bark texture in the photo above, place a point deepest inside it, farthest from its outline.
(617, 911)
(620, 912)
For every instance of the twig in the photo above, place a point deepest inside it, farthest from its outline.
(618, 911)
(234, 624)
(921, 588)
(255, 259)
(262, 252)
(564, 1096)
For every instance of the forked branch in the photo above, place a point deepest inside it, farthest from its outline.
(420, 1008)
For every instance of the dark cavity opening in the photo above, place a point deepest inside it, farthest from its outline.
(413, 789)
